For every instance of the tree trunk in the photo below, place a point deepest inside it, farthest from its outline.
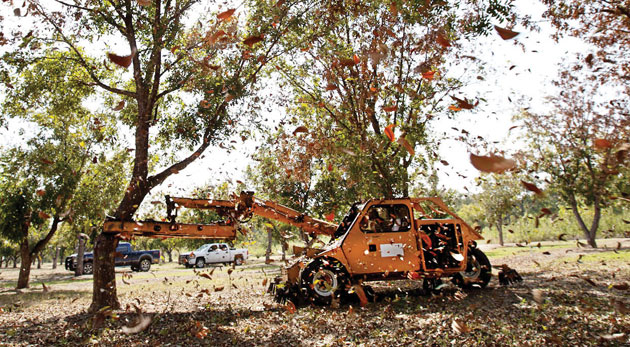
(104, 284)
(589, 234)
(39, 261)
(285, 246)
(25, 265)
(55, 256)
(78, 271)
(269, 244)
(500, 229)
(15, 261)
(62, 251)
(169, 252)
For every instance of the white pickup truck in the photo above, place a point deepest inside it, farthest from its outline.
(212, 253)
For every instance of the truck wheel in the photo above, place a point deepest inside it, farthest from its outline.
(134, 268)
(88, 268)
(238, 261)
(478, 270)
(324, 281)
(145, 264)
(201, 263)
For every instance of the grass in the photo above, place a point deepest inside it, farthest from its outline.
(501, 252)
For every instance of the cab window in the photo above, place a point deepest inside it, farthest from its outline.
(386, 219)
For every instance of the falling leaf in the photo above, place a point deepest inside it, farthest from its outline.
(545, 211)
(532, 187)
(590, 281)
(505, 34)
(300, 129)
(442, 41)
(205, 275)
(17, 12)
(561, 237)
(602, 144)
(619, 286)
(212, 39)
(264, 282)
(120, 105)
(252, 40)
(290, 307)
(454, 108)
(218, 289)
(144, 2)
(45, 288)
(143, 322)
(330, 87)
(356, 59)
(403, 142)
(546, 253)
(46, 161)
(223, 16)
(41, 192)
(428, 75)
(229, 271)
(389, 132)
(459, 326)
(457, 256)
(347, 62)
(390, 109)
(43, 215)
(331, 216)
(492, 163)
(537, 294)
(463, 103)
(120, 60)
(511, 231)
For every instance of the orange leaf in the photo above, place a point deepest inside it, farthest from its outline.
(43, 215)
(347, 62)
(215, 37)
(454, 108)
(532, 187)
(144, 2)
(492, 163)
(120, 105)
(356, 59)
(330, 167)
(331, 87)
(390, 109)
(602, 144)
(506, 34)
(223, 16)
(463, 103)
(300, 129)
(428, 75)
(252, 40)
(389, 132)
(41, 192)
(442, 41)
(121, 61)
(331, 216)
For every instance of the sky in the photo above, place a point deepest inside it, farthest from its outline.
(520, 70)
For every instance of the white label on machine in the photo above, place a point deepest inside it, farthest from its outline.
(392, 250)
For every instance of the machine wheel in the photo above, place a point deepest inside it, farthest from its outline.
(188, 266)
(88, 268)
(478, 271)
(324, 280)
(238, 261)
(145, 264)
(201, 263)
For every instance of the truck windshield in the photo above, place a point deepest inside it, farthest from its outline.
(202, 248)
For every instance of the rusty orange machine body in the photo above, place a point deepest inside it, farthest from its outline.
(381, 239)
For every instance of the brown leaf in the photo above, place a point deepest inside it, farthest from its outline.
(330, 87)
(300, 129)
(120, 105)
(442, 41)
(143, 323)
(41, 192)
(252, 40)
(561, 237)
(45, 288)
(538, 296)
(403, 142)
(389, 132)
(463, 103)
(459, 326)
(346, 62)
(218, 289)
(602, 144)
(545, 211)
(229, 271)
(205, 275)
(225, 15)
(212, 39)
(532, 187)
(43, 215)
(390, 109)
(590, 281)
(122, 61)
(290, 307)
(264, 282)
(144, 2)
(492, 163)
(620, 286)
(546, 253)
(506, 34)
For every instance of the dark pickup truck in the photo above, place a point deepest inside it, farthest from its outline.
(125, 256)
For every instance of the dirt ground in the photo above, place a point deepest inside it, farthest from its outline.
(570, 296)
